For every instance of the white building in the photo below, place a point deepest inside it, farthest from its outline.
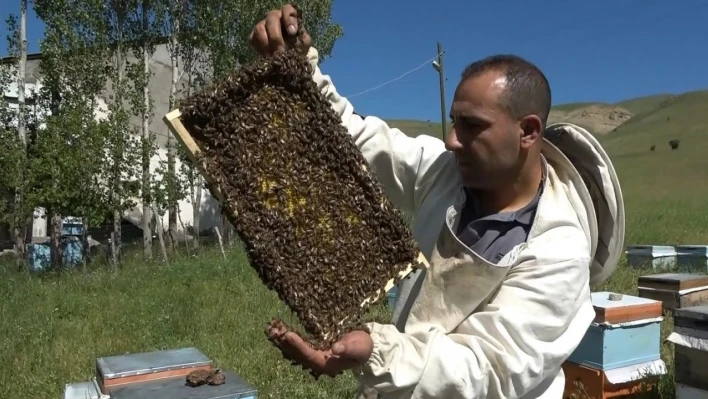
(160, 84)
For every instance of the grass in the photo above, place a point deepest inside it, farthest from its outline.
(61, 323)
(54, 327)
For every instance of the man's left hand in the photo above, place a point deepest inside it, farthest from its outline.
(354, 349)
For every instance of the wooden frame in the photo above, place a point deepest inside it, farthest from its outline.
(173, 122)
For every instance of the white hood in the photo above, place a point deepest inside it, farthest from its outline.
(595, 167)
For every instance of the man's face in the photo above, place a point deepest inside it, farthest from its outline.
(486, 140)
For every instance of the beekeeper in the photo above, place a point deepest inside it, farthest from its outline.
(518, 221)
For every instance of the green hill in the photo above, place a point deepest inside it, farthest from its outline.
(665, 190)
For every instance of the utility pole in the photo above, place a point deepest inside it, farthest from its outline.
(438, 65)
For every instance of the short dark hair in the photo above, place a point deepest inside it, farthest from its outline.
(527, 91)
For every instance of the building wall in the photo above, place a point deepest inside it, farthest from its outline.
(159, 85)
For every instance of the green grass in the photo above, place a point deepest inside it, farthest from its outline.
(54, 327)
(416, 128)
(643, 104)
(59, 324)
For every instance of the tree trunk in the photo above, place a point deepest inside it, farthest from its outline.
(19, 229)
(55, 240)
(117, 244)
(227, 233)
(196, 210)
(84, 244)
(116, 239)
(171, 163)
(147, 216)
(21, 72)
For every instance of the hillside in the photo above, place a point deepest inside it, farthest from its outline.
(665, 190)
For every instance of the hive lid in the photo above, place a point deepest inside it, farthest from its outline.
(150, 362)
(623, 309)
(697, 250)
(673, 281)
(695, 317)
(651, 249)
(175, 388)
(83, 390)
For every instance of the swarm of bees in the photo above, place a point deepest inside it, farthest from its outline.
(315, 221)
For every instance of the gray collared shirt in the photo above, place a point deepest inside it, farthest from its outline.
(493, 236)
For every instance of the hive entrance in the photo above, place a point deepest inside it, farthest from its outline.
(316, 223)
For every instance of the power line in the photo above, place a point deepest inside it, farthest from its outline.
(397, 78)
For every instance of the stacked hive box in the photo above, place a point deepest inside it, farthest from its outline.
(620, 353)
(72, 230)
(656, 256)
(690, 338)
(692, 257)
(156, 375)
(391, 296)
(39, 252)
(675, 290)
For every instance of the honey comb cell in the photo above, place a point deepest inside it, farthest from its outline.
(316, 223)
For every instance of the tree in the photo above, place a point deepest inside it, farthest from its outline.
(122, 145)
(68, 174)
(220, 30)
(145, 22)
(13, 135)
(175, 30)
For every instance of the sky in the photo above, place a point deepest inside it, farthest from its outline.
(599, 51)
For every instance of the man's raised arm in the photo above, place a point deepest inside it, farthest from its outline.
(407, 167)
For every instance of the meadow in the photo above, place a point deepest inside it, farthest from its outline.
(53, 327)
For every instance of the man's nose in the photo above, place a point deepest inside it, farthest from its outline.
(451, 142)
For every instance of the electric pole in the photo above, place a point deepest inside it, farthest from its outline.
(438, 65)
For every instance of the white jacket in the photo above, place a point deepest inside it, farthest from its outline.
(473, 329)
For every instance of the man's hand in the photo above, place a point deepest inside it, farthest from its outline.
(352, 350)
(278, 32)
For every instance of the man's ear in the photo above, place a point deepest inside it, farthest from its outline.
(531, 130)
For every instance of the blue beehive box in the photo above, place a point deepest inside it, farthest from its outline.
(72, 250)
(626, 331)
(72, 226)
(694, 257)
(39, 256)
(391, 296)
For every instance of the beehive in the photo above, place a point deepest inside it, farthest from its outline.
(655, 256)
(626, 331)
(690, 340)
(124, 370)
(692, 257)
(234, 387)
(582, 382)
(675, 290)
(317, 225)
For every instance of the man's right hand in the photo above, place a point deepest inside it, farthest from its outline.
(278, 32)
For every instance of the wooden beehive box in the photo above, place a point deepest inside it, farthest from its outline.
(588, 383)
(675, 290)
(123, 370)
(626, 331)
(234, 387)
(691, 347)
